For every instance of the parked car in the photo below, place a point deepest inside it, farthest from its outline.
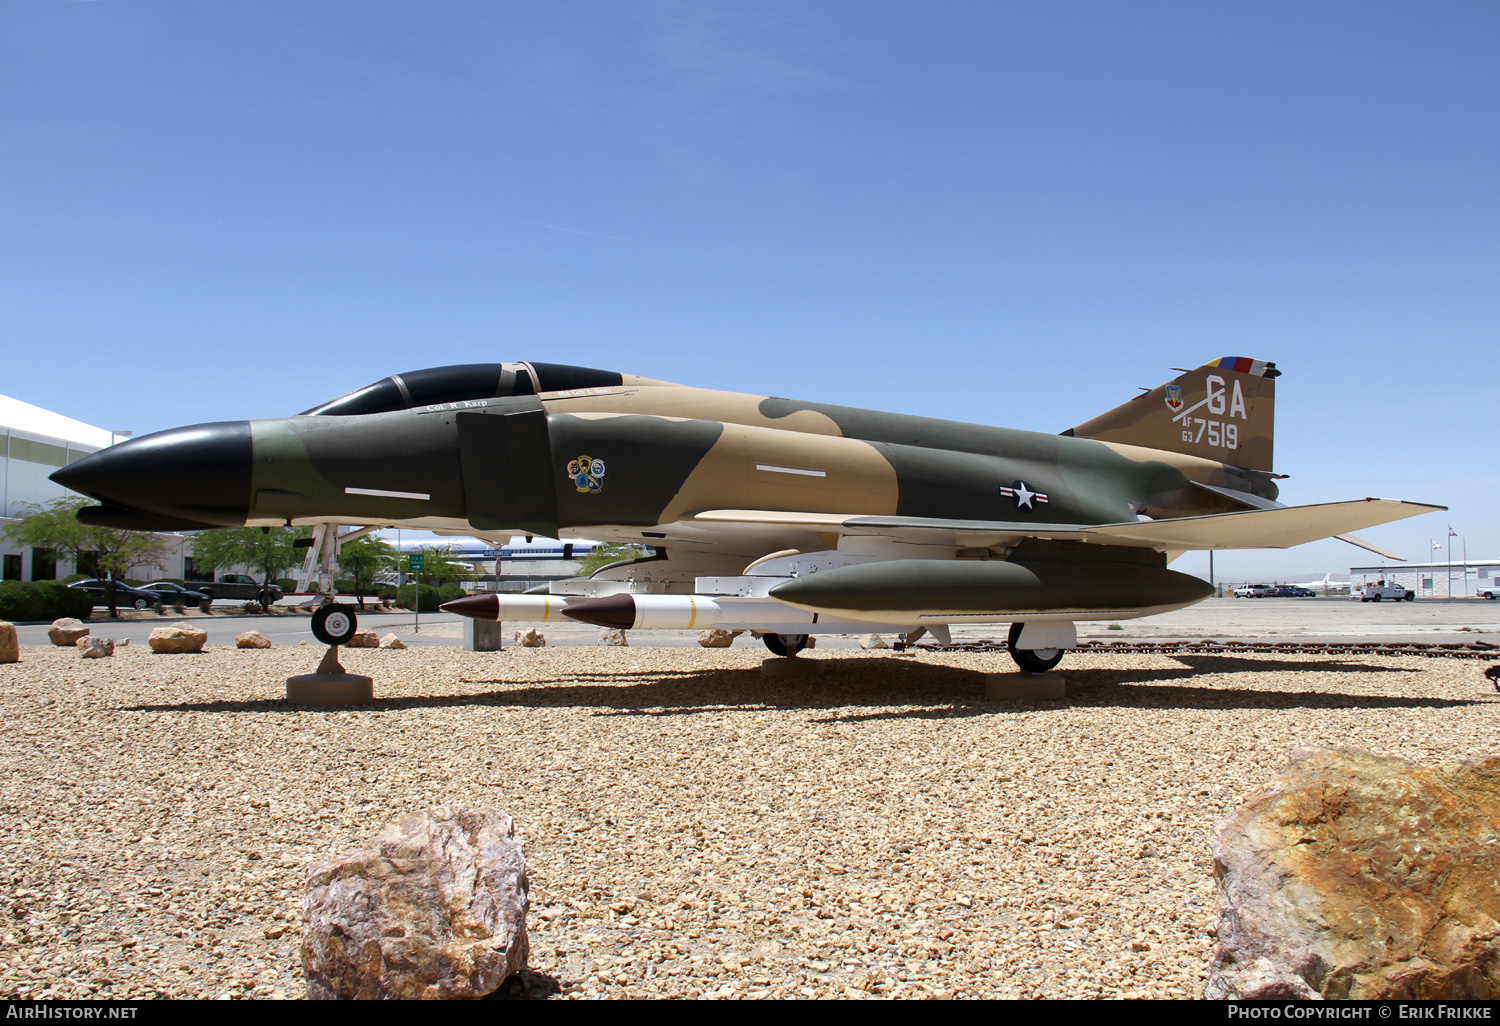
(1293, 591)
(238, 586)
(171, 594)
(1254, 591)
(125, 595)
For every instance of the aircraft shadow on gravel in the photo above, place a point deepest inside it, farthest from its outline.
(932, 692)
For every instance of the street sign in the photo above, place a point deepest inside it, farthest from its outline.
(414, 562)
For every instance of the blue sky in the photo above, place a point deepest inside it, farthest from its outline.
(1002, 213)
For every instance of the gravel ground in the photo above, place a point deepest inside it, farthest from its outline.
(693, 829)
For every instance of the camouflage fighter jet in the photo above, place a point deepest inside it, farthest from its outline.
(784, 517)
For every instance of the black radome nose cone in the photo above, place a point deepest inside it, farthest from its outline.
(199, 473)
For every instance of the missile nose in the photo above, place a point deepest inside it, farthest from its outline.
(475, 607)
(199, 473)
(615, 612)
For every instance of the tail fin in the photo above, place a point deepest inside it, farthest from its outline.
(1223, 411)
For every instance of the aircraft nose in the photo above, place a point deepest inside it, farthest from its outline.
(199, 473)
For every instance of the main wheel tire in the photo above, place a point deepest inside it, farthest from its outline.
(1032, 660)
(785, 644)
(141, 603)
(1375, 598)
(334, 624)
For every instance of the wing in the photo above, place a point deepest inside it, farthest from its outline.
(1277, 528)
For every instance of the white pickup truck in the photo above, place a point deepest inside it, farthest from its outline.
(1488, 591)
(1380, 590)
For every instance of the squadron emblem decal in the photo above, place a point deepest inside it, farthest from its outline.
(1174, 397)
(1024, 496)
(587, 474)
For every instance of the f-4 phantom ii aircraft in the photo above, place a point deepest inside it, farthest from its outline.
(783, 517)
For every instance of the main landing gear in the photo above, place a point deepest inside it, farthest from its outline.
(1032, 660)
(785, 644)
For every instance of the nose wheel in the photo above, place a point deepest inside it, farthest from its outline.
(334, 624)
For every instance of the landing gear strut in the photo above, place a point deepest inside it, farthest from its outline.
(332, 623)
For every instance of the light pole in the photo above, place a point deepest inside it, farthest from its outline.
(1450, 560)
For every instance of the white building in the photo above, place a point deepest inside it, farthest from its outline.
(33, 443)
(1432, 580)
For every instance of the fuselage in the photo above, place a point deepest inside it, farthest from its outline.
(631, 457)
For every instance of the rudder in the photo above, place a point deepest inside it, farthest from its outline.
(1222, 411)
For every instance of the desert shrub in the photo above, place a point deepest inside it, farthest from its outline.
(20, 600)
(386, 594)
(426, 594)
(287, 584)
(449, 592)
(59, 600)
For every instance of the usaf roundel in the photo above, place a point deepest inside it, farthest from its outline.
(1025, 496)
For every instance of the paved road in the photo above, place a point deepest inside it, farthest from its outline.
(1331, 619)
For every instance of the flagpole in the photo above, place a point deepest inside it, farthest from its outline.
(1450, 560)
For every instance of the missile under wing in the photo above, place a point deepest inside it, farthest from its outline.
(787, 517)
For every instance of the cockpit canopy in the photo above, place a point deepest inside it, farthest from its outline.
(460, 382)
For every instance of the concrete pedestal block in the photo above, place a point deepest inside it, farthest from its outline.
(330, 689)
(789, 666)
(483, 635)
(1001, 686)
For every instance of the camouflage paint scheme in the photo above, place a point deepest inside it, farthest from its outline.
(723, 481)
(670, 451)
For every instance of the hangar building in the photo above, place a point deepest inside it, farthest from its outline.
(1431, 580)
(33, 443)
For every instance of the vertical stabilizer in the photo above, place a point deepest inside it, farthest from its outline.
(1223, 411)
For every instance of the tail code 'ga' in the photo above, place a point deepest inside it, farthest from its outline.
(1223, 411)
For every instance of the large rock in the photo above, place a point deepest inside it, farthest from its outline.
(363, 639)
(252, 639)
(180, 637)
(613, 639)
(531, 638)
(717, 637)
(96, 648)
(66, 632)
(870, 641)
(391, 641)
(1360, 876)
(10, 645)
(435, 909)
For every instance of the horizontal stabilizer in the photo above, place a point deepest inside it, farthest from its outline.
(1279, 528)
(1276, 528)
